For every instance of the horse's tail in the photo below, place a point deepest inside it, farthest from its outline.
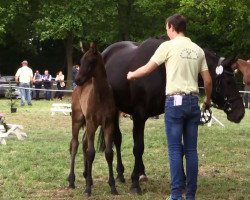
(101, 141)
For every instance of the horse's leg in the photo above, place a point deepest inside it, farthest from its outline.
(108, 137)
(138, 150)
(118, 142)
(90, 155)
(74, 143)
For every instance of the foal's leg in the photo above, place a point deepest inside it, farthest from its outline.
(90, 155)
(118, 141)
(84, 150)
(108, 136)
(138, 150)
(76, 125)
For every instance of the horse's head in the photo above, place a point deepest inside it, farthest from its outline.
(225, 94)
(89, 62)
(244, 67)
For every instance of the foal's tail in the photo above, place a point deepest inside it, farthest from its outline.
(101, 141)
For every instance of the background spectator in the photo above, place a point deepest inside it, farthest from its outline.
(60, 85)
(37, 81)
(46, 78)
(24, 76)
(74, 74)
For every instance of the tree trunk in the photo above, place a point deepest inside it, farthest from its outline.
(124, 15)
(69, 58)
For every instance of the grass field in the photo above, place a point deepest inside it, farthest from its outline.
(37, 167)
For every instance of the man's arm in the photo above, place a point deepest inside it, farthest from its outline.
(142, 71)
(207, 86)
(16, 78)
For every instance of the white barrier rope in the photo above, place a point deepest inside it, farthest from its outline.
(51, 90)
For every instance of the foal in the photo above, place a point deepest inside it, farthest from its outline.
(92, 105)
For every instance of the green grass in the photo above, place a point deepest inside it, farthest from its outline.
(37, 167)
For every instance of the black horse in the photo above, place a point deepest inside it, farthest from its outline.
(145, 97)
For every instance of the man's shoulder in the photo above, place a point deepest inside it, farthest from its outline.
(196, 46)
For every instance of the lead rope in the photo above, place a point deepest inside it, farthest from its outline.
(206, 112)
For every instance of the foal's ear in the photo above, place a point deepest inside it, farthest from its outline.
(93, 47)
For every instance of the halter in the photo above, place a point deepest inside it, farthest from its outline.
(220, 71)
(206, 115)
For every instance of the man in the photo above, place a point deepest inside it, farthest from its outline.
(37, 80)
(24, 76)
(46, 78)
(184, 60)
(75, 71)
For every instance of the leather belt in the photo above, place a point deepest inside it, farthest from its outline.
(183, 94)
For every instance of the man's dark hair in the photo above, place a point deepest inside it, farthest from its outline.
(178, 21)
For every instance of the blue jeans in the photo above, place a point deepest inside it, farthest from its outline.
(182, 131)
(25, 93)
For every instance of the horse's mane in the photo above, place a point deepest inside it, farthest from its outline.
(210, 52)
(162, 37)
(115, 47)
(153, 42)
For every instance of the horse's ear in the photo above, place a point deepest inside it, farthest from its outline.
(93, 47)
(231, 62)
(234, 60)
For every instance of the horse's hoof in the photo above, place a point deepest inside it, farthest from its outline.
(143, 178)
(120, 179)
(136, 190)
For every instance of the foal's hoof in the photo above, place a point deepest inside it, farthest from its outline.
(72, 186)
(136, 190)
(87, 192)
(114, 191)
(143, 178)
(120, 179)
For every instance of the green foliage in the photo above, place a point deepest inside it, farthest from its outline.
(223, 26)
(57, 20)
(81, 20)
(26, 25)
(148, 18)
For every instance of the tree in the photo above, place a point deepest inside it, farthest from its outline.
(224, 26)
(148, 18)
(16, 31)
(73, 21)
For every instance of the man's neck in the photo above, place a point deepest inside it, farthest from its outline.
(180, 34)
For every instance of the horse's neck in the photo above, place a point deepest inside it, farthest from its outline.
(212, 62)
(243, 67)
(100, 83)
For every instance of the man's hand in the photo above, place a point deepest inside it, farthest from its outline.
(206, 104)
(130, 76)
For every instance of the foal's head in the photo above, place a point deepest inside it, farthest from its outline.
(91, 61)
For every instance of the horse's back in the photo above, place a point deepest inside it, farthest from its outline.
(122, 57)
